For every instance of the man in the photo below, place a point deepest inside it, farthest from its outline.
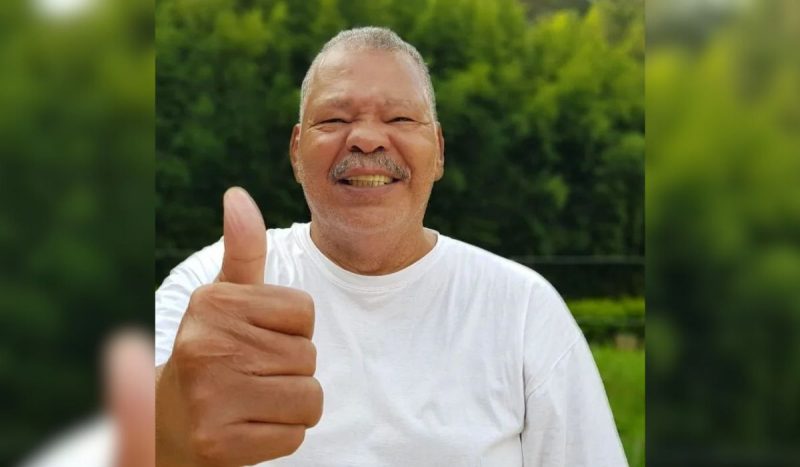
(429, 351)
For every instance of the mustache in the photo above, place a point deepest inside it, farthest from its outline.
(373, 160)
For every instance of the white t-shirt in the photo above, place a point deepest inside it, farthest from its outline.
(90, 444)
(463, 358)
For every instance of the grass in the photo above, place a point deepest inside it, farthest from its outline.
(623, 375)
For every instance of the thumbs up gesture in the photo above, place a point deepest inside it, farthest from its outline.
(239, 387)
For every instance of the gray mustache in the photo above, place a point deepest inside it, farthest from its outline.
(374, 160)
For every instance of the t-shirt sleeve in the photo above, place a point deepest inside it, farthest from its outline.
(172, 297)
(568, 421)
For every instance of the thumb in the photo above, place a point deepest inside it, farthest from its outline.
(245, 239)
(130, 397)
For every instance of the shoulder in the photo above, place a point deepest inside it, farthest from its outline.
(481, 266)
(285, 235)
(514, 286)
(547, 330)
(547, 327)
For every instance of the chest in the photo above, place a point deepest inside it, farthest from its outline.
(437, 381)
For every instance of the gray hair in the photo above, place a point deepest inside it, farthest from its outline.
(370, 38)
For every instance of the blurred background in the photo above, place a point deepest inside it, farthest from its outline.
(723, 233)
(76, 204)
(542, 107)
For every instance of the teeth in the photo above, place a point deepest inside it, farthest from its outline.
(369, 180)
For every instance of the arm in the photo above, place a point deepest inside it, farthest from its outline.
(568, 421)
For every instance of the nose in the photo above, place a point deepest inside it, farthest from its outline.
(366, 137)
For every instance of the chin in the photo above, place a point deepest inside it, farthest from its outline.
(363, 221)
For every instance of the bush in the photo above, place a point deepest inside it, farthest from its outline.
(603, 319)
(623, 376)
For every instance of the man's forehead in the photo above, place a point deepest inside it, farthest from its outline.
(341, 64)
(347, 77)
(339, 101)
(343, 56)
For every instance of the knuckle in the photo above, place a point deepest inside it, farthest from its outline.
(311, 358)
(206, 447)
(305, 309)
(307, 303)
(305, 358)
(201, 297)
(291, 440)
(184, 351)
(220, 296)
(314, 399)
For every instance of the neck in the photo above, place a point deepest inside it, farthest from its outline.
(373, 254)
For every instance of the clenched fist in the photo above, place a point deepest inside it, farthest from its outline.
(239, 387)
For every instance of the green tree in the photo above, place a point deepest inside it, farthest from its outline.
(723, 203)
(543, 119)
(76, 173)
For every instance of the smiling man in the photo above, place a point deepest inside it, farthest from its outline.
(429, 351)
(367, 151)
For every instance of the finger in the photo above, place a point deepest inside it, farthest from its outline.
(270, 353)
(281, 309)
(291, 400)
(130, 396)
(244, 236)
(251, 443)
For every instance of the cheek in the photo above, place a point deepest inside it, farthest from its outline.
(326, 139)
(421, 154)
(318, 153)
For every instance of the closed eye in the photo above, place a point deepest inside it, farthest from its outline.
(401, 119)
(333, 120)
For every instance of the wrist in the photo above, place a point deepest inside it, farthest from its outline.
(169, 448)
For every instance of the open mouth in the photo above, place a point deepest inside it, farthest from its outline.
(368, 180)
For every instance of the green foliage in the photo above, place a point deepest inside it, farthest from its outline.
(603, 319)
(723, 225)
(76, 219)
(623, 373)
(543, 119)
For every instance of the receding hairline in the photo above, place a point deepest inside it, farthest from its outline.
(367, 39)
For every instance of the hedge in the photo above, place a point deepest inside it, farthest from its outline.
(603, 319)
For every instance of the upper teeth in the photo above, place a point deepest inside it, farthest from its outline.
(369, 180)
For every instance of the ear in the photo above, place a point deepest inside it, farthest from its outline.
(294, 144)
(440, 158)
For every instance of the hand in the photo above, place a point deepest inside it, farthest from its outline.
(129, 397)
(239, 387)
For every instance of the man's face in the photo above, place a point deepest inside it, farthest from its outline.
(367, 151)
